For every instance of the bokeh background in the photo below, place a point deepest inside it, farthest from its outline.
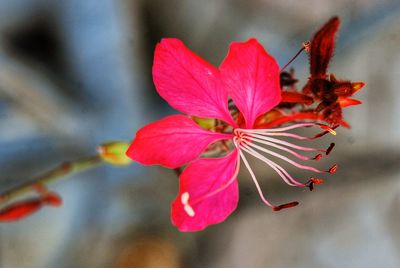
(76, 73)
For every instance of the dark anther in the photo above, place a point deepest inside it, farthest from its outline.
(330, 148)
(287, 205)
(312, 181)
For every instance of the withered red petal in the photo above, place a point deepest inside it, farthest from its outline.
(296, 97)
(322, 47)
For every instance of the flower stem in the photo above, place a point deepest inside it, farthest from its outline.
(59, 172)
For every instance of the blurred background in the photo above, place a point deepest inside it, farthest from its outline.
(74, 74)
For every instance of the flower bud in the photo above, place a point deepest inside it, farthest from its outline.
(114, 153)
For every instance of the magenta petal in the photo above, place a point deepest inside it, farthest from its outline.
(171, 142)
(189, 83)
(251, 76)
(201, 178)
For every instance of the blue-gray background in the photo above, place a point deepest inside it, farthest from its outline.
(77, 73)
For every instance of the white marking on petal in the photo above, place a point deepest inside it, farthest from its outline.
(185, 202)
(189, 210)
(185, 198)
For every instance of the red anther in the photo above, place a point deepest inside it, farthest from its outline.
(312, 181)
(333, 169)
(330, 148)
(317, 157)
(317, 181)
(287, 205)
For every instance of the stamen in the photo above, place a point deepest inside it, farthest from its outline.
(299, 125)
(278, 169)
(317, 181)
(313, 181)
(261, 139)
(333, 169)
(274, 208)
(287, 205)
(255, 181)
(247, 140)
(268, 132)
(331, 130)
(317, 157)
(283, 157)
(311, 186)
(264, 140)
(305, 46)
(330, 148)
(300, 156)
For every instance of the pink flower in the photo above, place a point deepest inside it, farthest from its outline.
(249, 76)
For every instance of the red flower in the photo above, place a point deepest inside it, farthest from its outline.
(249, 76)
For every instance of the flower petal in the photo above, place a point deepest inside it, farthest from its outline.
(251, 76)
(171, 142)
(208, 193)
(189, 83)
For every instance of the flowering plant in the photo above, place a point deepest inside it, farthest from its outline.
(237, 109)
(247, 106)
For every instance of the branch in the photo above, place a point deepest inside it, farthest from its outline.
(111, 153)
(64, 169)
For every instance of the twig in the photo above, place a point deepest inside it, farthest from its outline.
(66, 168)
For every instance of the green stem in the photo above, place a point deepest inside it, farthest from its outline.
(66, 168)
